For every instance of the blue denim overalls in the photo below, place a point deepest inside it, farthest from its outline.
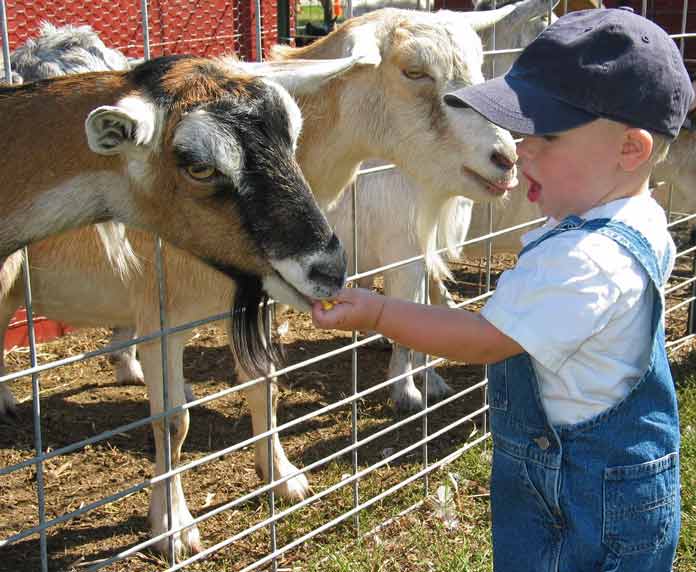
(600, 495)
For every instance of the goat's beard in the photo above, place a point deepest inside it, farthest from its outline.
(250, 331)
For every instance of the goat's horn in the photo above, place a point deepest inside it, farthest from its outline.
(517, 13)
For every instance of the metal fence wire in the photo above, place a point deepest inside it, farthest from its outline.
(74, 483)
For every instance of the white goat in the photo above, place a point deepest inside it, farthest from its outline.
(400, 221)
(383, 98)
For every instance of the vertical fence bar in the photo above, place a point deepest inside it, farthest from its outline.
(426, 375)
(269, 426)
(682, 41)
(164, 340)
(259, 31)
(36, 411)
(164, 344)
(272, 528)
(354, 367)
(35, 386)
(489, 255)
(424, 394)
(146, 28)
(5, 43)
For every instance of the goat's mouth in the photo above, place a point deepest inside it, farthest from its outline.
(496, 188)
(285, 292)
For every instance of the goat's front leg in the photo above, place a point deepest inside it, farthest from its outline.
(295, 488)
(187, 541)
(404, 393)
(407, 283)
(439, 294)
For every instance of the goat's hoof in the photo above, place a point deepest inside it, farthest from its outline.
(130, 373)
(186, 543)
(437, 387)
(295, 489)
(408, 401)
(8, 406)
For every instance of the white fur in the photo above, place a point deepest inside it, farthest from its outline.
(294, 113)
(134, 114)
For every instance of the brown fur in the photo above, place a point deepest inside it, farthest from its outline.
(60, 128)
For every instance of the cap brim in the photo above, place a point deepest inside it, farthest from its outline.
(516, 105)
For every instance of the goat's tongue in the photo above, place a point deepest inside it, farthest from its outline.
(533, 192)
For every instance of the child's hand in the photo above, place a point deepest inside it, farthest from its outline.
(351, 309)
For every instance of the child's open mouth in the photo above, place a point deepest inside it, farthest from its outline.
(534, 189)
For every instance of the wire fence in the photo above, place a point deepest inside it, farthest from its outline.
(360, 460)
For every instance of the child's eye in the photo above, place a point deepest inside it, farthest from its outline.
(550, 137)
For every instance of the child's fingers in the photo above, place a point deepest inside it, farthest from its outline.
(325, 315)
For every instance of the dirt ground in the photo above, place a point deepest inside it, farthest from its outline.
(83, 399)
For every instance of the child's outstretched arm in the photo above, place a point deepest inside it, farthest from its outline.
(454, 334)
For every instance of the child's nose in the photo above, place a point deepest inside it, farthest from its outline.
(526, 148)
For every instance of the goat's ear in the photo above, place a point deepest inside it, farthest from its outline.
(109, 128)
(299, 77)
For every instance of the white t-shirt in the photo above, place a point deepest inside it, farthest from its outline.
(578, 303)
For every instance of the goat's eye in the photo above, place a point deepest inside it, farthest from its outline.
(415, 74)
(200, 171)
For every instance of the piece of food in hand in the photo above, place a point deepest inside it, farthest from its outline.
(327, 304)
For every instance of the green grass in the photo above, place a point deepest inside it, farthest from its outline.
(313, 13)
(421, 540)
(686, 388)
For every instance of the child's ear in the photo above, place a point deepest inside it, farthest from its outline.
(636, 148)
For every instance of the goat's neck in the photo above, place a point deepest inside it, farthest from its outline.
(51, 179)
(335, 140)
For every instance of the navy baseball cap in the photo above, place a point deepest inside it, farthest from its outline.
(608, 63)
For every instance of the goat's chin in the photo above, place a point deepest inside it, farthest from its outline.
(284, 293)
(489, 191)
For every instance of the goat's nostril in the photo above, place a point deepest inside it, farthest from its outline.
(502, 161)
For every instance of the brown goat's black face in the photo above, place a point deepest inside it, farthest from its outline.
(241, 157)
(223, 145)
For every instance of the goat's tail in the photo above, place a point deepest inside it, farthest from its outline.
(10, 270)
(118, 248)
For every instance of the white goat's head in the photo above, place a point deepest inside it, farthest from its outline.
(389, 104)
(64, 50)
